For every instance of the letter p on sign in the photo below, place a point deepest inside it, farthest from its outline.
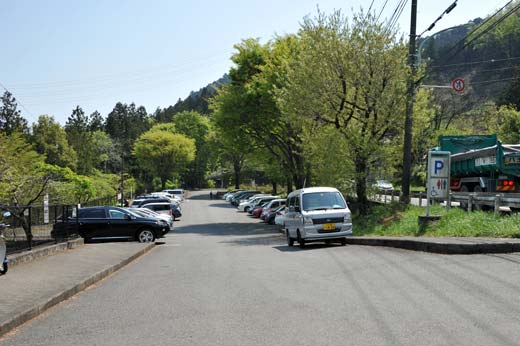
(438, 166)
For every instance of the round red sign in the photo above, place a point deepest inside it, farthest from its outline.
(458, 85)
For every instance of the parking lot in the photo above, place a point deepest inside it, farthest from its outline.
(222, 278)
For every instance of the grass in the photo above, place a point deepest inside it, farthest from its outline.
(394, 220)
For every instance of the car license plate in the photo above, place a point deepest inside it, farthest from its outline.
(329, 227)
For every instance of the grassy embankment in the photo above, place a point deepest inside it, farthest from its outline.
(391, 220)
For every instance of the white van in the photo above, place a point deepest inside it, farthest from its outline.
(317, 214)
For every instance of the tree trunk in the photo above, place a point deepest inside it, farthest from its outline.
(361, 183)
(163, 183)
(289, 185)
(275, 188)
(237, 167)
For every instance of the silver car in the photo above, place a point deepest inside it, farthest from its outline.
(317, 214)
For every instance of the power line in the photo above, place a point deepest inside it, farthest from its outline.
(475, 62)
(395, 16)
(496, 81)
(382, 9)
(446, 11)
(492, 26)
(18, 102)
(478, 27)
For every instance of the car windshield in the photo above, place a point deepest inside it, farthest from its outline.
(323, 201)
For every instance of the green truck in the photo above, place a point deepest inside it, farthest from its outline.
(481, 163)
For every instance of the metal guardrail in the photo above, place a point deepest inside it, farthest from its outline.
(468, 200)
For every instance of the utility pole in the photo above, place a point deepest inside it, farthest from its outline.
(407, 147)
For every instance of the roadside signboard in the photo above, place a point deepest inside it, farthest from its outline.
(458, 85)
(46, 208)
(438, 177)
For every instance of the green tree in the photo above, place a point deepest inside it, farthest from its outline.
(23, 178)
(508, 127)
(96, 122)
(350, 76)
(194, 125)
(10, 118)
(125, 123)
(80, 138)
(50, 139)
(163, 154)
(246, 109)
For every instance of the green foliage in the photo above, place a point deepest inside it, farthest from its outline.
(508, 124)
(163, 154)
(246, 113)
(80, 138)
(357, 72)
(23, 177)
(11, 120)
(124, 124)
(392, 220)
(50, 139)
(197, 127)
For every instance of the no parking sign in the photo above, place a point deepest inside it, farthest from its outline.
(458, 85)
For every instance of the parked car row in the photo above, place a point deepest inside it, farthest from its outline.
(161, 202)
(113, 222)
(148, 218)
(307, 215)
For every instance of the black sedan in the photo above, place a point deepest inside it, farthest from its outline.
(110, 222)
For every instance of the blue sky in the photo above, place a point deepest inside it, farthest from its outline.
(57, 54)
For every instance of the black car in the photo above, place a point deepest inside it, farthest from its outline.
(138, 203)
(110, 222)
(243, 195)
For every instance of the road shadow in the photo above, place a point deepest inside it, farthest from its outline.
(228, 229)
(308, 247)
(222, 205)
(274, 240)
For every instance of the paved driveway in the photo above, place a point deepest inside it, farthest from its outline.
(224, 279)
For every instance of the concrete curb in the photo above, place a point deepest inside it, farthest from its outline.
(440, 246)
(38, 253)
(68, 293)
(446, 246)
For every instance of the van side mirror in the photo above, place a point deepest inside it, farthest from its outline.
(297, 209)
(291, 209)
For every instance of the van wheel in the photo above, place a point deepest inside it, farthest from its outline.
(5, 267)
(290, 241)
(301, 241)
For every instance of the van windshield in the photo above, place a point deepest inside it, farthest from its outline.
(323, 201)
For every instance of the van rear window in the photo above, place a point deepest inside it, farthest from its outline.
(322, 201)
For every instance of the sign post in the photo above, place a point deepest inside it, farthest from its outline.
(46, 208)
(438, 177)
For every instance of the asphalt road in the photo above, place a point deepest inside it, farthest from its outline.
(225, 279)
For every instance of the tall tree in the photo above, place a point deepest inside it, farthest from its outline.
(23, 178)
(194, 125)
(50, 139)
(11, 119)
(96, 122)
(246, 108)
(350, 76)
(80, 138)
(164, 154)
